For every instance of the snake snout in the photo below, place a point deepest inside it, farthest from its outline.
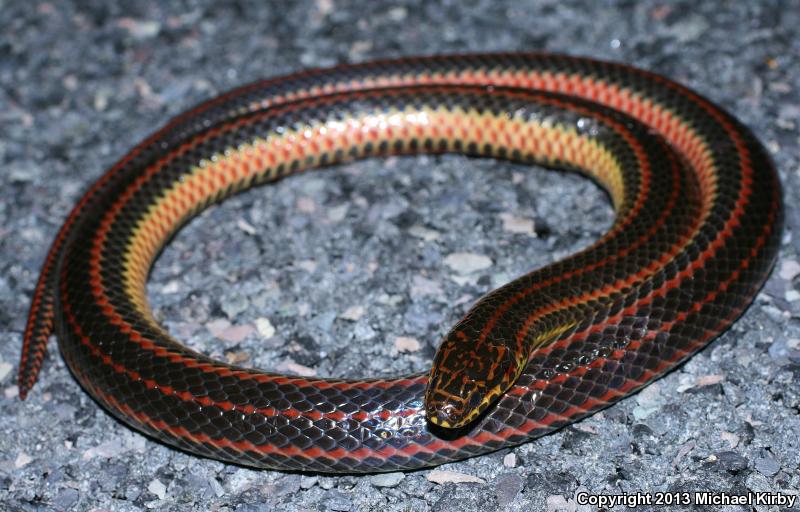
(444, 405)
(469, 373)
(446, 415)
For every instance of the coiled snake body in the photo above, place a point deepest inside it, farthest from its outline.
(698, 220)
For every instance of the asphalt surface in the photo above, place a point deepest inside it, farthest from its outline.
(350, 271)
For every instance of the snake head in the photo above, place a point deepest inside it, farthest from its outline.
(469, 374)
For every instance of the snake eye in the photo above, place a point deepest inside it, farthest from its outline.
(448, 411)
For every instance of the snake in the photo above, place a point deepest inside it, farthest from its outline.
(698, 218)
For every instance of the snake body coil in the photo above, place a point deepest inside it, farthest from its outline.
(697, 229)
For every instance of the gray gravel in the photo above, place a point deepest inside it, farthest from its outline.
(355, 271)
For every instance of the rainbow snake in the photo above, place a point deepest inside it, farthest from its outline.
(698, 222)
